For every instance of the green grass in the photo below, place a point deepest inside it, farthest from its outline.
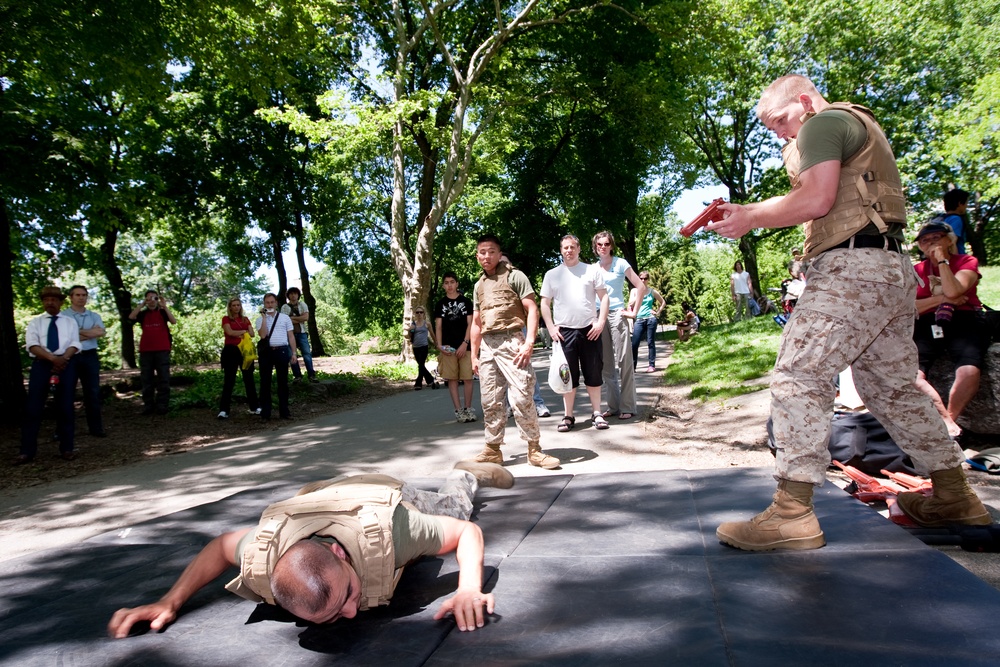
(988, 288)
(395, 371)
(721, 359)
(202, 388)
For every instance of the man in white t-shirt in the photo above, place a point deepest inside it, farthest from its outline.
(571, 289)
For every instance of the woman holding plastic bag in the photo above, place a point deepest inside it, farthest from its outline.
(236, 325)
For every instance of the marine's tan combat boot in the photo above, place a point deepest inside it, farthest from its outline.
(488, 474)
(490, 454)
(789, 523)
(953, 502)
(537, 457)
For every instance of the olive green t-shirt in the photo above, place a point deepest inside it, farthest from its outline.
(831, 135)
(414, 534)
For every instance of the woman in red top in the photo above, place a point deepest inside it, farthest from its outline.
(235, 324)
(948, 319)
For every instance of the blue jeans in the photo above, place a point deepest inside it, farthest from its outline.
(38, 391)
(302, 343)
(645, 327)
(88, 369)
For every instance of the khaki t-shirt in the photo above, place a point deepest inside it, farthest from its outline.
(414, 534)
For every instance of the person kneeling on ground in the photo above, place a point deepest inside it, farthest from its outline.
(310, 554)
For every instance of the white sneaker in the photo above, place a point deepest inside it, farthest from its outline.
(253, 412)
(460, 416)
(542, 411)
(223, 415)
(470, 414)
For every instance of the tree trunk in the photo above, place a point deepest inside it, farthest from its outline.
(279, 267)
(980, 216)
(315, 343)
(12, 394)
(748, 250)
(121, 295)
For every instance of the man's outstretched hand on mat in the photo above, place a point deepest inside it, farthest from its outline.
(466, 605)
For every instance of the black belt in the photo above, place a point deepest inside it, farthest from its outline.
(871, 241)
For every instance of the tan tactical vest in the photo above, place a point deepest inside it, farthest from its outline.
(500, 308)
(870, 189)
(356, 511)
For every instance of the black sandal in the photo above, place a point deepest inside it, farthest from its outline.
(566, 424)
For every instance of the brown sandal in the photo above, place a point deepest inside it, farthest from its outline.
(566, 424)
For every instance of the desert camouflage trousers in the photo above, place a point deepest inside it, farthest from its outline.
(499, 376)
(453, 499)
(857, 310)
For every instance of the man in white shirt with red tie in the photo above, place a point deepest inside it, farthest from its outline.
(52, 339)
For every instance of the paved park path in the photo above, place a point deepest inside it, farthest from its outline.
(409, 435)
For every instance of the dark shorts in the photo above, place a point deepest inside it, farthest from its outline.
(583, 353)
(965, 340)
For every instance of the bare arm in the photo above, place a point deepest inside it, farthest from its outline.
(291, 344)
(477, 339)
(464, 347)
(437, 332)
(166, 313)
(523, 356)
(813, 199)
(466, 540)
(602, 316)
(659, 300)
(639, 286)
(210, 562)
(546, 312)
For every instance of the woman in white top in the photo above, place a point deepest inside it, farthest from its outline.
(276, 351)
(619, 370)
(740, 286)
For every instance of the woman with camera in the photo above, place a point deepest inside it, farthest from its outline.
(948, 319)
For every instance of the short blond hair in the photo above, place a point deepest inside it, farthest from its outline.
(783, 90)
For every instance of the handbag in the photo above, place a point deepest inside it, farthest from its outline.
(560, 380)
(248, 350)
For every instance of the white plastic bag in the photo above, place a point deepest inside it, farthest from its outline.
(559, 377)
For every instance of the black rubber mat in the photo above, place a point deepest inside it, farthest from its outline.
(596, 569)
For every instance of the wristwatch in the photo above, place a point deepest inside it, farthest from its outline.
(467, 341)
(943, 261)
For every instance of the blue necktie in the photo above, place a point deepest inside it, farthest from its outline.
(53, 341)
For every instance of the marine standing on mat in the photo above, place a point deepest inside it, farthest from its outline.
(503, 305)
(857, 310)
